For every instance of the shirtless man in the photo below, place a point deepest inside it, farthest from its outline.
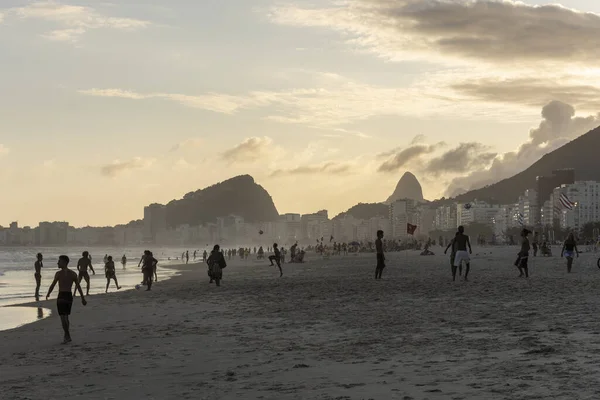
(277, 258)
(380, 256)
(461, 241)
(38, 275)
(110, 273)
(65, 279)
(82, 266)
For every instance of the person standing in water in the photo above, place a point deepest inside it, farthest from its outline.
(82, 266)
(65, 279)
(124, 261)
(277, 258)
(380, 255)
(452, 257)
(110, 273)
(569, 250)
(38, 265)
(523, 257)
(187, 257)
(462, 242)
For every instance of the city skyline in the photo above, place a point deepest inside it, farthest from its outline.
(108, 107)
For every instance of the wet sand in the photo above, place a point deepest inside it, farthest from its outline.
(326, 330)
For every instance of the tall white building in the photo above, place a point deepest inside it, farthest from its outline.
(401, 214)
(445, 218)
(586, 196)
(478, 212)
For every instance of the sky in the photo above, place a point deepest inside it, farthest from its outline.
(106, 107)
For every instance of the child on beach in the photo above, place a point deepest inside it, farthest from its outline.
(380, 255)
(65, 279)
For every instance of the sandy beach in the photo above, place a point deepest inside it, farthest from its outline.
(326, 330)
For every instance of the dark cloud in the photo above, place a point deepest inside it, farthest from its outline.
(400, 157)
(250, 150)
(499, 31)
(329, 168)
(531, 92)
(558, 127)
(119, 167)
(463, 158)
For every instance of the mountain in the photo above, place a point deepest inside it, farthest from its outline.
(366, 211)
(580, 154)
(239, 196)
(408, 187)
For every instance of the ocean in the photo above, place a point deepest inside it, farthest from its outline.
(17, 283)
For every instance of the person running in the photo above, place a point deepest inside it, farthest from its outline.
(380, 255)
(569, 250)
(452, 244)
(124, 261)
(216, 263)
(277, 258)
(82, 266)
(110, 273)
(523, 256)
(462, 242)
(65, 279)
(38, 265)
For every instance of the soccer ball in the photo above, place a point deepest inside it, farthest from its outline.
(138, 287)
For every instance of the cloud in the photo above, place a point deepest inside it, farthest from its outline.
(74, 20)
(250, 150)
(398, 158)
(119, 167)
(559, 126)
(534, 92)
(465, 157)
(328, 168)
(483, 30)
(191, 143)
(183, 165)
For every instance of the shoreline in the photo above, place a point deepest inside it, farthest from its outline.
(48, 307)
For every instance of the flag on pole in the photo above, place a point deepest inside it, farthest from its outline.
(410, 229)
(521, 219)
(566, 203)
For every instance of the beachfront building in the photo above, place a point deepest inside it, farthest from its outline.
(424, 218)
(155, 221)
(528, 207)
(445, 218)
(586, 196)
(402, 212)
(506, 217)
(477, 212)
(52, 233)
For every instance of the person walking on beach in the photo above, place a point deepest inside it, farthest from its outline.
(124, 261)
(204, 256)
(535, 243)
(148, 269)
(380, 255)
(277, 258)
(38, 265)
(194, 255)
(216, 263)
(154, 267)
(569, 250)
(452, 257)
(110, 273)
(523, 256)
(65, 279)
(187, 257)
(82, 266)
(462, 242)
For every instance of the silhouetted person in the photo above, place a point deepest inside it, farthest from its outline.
(569, 250)
(204, 256)
(82, 266)
(535, 244)
(452, 257)
(38, 265)
(462, 242)
(65, 279)
(277, 258)
(110, 273)
(194, 255)
(124, 261)
(187, 257)
(148, 268)
(216, 263)
(523, 258)
(380, 255)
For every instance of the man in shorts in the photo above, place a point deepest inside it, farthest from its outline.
(39, 264)
(82, 266)
(380, 255)
(461, 241)
(65, 279)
